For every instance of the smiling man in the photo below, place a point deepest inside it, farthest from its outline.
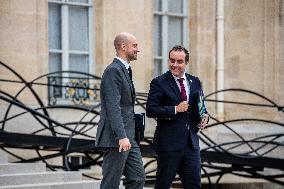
(116, 130)
(176, 100)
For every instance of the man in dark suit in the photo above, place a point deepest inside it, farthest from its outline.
(176, 100)
(116, 128)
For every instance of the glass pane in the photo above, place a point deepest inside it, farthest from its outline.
(157, 67)
(78, 28)
(175, 32)
(54, 62)
(175, 6)
(54, 26)
(158, 5)
(158, 35)
(79, 1)
(79, 63)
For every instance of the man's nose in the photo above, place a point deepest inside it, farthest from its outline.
(175, 63)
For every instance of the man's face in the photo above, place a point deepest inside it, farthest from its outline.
(131, 49)
(177, 63)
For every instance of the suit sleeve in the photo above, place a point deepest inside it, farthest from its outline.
(155, 107)
(112, 87)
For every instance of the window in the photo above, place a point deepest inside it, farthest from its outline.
(69, 38)
(170, 28)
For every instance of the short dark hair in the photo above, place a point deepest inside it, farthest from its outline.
(180, 48)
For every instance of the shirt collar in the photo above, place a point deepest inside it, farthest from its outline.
(125, 63)
(176, 78)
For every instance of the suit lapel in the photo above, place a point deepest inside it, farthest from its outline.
(192, 85)
(173, 85)
(130, 84)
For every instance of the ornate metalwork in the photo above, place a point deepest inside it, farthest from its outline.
(79, 91)
(44, 131)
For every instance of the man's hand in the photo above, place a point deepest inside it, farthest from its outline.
(124, 144)
(182, 107)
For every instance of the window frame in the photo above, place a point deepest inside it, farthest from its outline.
(64, 51)
(165, 14)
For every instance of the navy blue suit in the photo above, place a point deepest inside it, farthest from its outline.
(175, 140)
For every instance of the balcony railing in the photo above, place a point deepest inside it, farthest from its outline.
(82, 91)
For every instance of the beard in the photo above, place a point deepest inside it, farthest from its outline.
(132, 57)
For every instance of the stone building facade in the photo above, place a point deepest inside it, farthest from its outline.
(39, 36)
(253, 41)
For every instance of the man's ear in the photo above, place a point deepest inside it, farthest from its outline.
(123, 46)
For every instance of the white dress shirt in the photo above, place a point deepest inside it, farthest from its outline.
(125, 63)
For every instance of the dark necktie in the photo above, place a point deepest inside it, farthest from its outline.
(130, 72)
(182, 89)
(130, 76)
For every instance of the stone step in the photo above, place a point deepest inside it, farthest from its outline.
(252, 185)
(57, 185)
(11, 168)
(42, 177)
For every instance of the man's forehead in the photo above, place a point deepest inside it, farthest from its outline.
(174, 53)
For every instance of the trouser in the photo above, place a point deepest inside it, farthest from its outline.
(129, 163)
(185, 162)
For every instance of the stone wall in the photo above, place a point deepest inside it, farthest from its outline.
(253, 52)
(23, 39)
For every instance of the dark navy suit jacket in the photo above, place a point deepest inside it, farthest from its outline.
(173, 131)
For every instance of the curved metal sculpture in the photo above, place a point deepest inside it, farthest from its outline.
(250, 155)
(48, 136)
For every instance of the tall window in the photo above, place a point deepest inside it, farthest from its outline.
(170, 28)
(69, 35)
(69, 42)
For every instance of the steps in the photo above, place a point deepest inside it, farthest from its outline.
(56, 185)
(44, 177)
(10, 168)
(35, 176)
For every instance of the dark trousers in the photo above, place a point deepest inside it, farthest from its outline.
(128, 163)
(185, 162)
